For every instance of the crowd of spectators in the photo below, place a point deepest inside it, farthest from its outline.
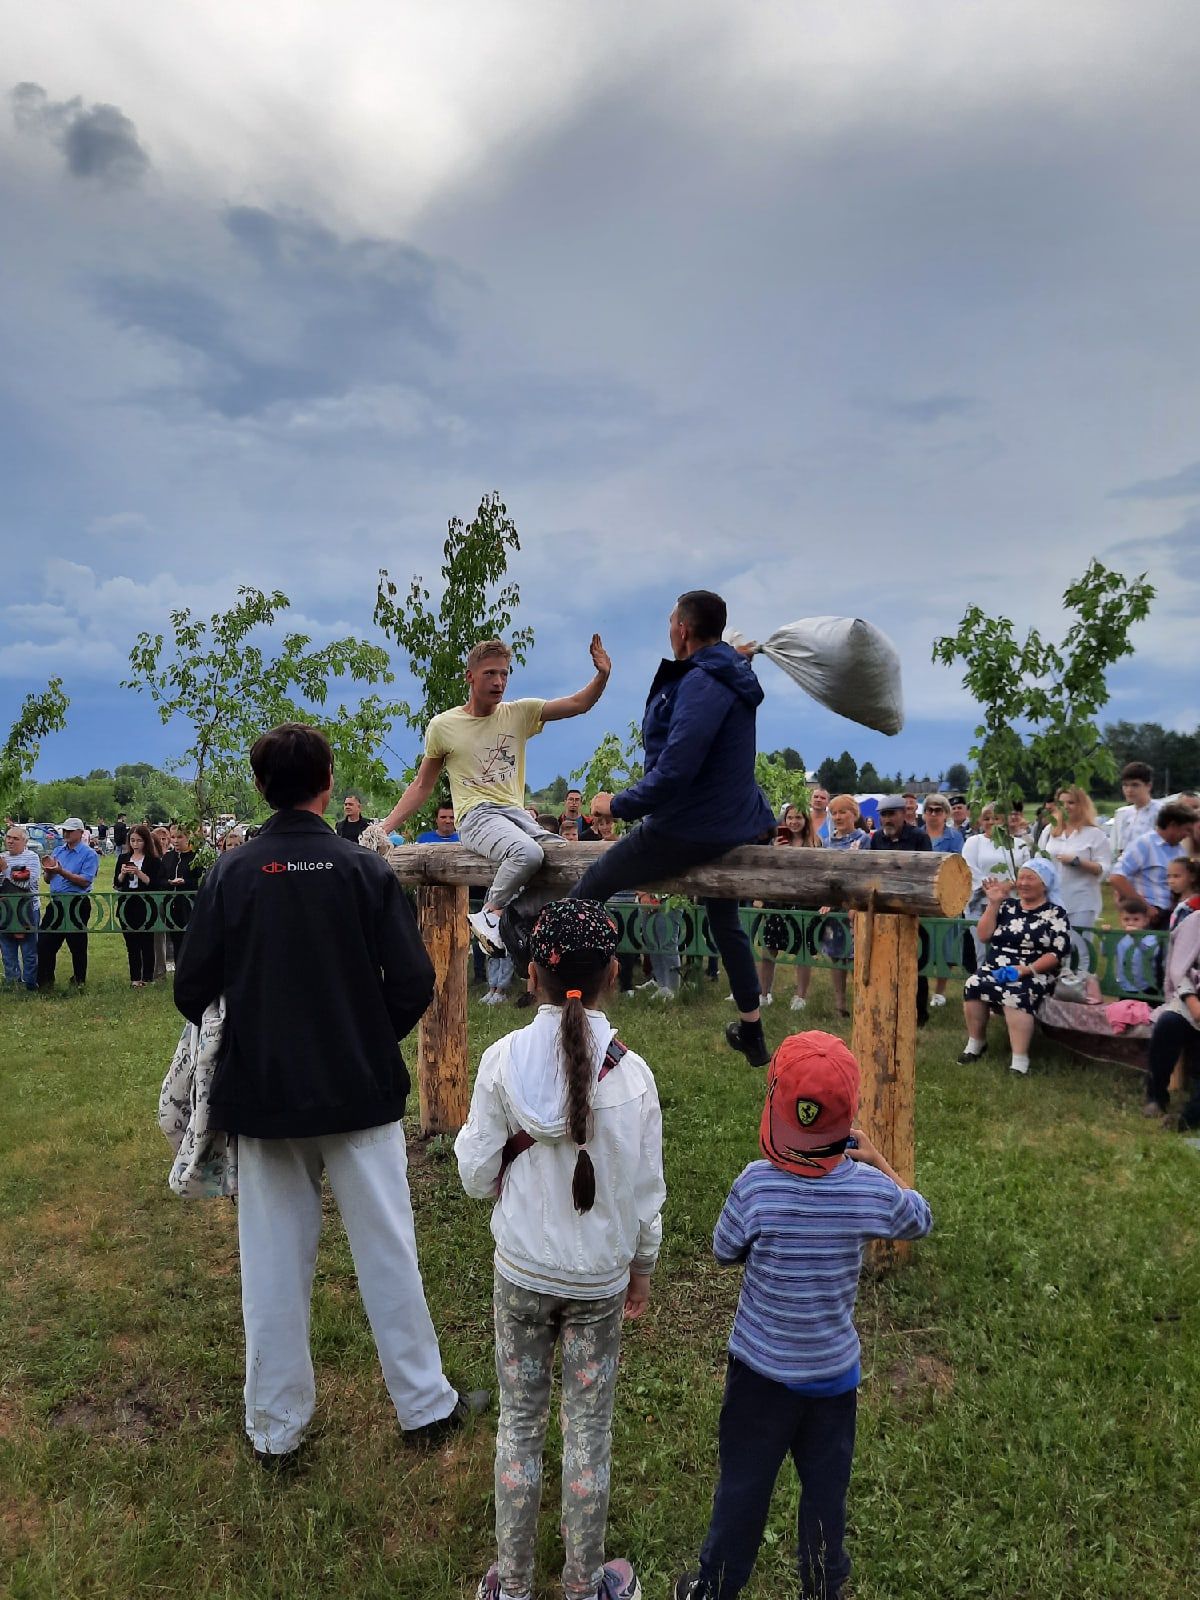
(1036, 896)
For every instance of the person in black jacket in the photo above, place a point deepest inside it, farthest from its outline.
(894, 833)
(137, 874)
(179, 872)
(316, 951)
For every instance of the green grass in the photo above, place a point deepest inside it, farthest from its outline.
(1028, 1424)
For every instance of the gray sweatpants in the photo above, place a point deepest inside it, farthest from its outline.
(508, 836)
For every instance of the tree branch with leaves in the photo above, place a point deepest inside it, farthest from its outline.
(40, 714)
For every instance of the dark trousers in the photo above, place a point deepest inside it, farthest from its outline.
(1174, 1035)
(761, 1423)
(643, 857)
(140, 948)
(64, 921)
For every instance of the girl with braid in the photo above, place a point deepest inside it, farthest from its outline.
(565, 1138)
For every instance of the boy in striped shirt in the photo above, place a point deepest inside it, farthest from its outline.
(798, 1220)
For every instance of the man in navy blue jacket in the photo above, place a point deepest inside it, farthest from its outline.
(698, 797)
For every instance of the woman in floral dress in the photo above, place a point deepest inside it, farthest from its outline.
(1027, 936)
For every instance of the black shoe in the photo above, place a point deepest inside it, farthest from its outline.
(968, 1056)
(470, 1403)
(285, 1461)
(748, 1038)
(523, 1000)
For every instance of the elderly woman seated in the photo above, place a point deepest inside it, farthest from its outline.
(1027, 937)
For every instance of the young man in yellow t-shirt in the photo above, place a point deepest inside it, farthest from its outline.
(482, 747)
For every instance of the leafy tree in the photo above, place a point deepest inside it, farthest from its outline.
(780, 783)
(1054, 691)
(791, 758)
(615, 764)
(1174, 756)
(229, 689)
(474, 562)
(840, 776)
(958, 776)
(869, 781)
(40, 714)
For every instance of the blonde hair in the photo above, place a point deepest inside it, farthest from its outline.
(485, 650)
(1074, 792)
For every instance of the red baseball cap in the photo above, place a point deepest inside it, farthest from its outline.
(811, 1104)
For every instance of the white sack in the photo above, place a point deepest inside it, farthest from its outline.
(847, 664)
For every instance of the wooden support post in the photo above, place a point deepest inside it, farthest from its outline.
(442, 1039)
(884, 1039)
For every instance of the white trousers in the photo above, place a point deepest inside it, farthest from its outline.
(279, 1223)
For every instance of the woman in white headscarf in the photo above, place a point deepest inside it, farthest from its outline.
(1028, 936)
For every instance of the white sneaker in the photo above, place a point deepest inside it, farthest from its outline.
(486, 928)
(629, 993)
(937, 999)
(649, 984)
(766, 1000)
(170, 966)
(798, 1003)
(664, 994)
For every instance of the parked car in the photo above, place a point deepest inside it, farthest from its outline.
(42, 837)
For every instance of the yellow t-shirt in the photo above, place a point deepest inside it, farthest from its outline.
(485, 756)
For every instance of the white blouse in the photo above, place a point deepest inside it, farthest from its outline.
(1079, 892)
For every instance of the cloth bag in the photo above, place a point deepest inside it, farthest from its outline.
(845, 663)
(205, 1163)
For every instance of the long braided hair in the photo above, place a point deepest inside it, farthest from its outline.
(572, 945)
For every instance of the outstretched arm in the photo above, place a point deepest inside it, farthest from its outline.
(418, 791)
(574, 705)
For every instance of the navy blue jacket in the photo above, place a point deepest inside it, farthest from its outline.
(698, 735)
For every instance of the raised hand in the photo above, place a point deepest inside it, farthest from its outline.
(601, 659)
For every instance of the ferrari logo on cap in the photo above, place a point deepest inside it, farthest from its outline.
(807, 1112)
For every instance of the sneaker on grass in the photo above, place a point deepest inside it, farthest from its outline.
(619, 1582)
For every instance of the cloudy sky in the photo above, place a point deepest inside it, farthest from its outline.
(837, 306)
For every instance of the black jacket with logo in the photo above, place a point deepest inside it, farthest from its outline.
(316, 950)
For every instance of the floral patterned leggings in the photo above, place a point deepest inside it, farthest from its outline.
(528, 1326)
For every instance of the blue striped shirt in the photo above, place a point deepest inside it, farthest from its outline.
(802, 1242)
(1144, 863)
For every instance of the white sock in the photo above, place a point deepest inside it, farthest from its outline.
(975, 1047)
(1019, 1063)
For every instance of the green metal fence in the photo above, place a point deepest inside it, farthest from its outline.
(803, 938)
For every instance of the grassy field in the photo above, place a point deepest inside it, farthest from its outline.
(1029, 1422)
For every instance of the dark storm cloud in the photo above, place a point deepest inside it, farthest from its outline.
(1178, 486)
(297, 314)
(922, 411)
(99, 142)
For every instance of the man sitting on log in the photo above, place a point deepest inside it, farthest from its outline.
(698, 797)
(482, 746)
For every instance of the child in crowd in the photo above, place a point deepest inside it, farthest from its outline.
(1137, 954)
(798, 1220)
(565, 1136)
(836, 939)
(1183, 880)
(796, 829)
(499, 977)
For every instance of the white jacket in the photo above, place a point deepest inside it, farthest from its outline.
(542, 1242)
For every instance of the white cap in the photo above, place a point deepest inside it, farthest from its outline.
(72, 825)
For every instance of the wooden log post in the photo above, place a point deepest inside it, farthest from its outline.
(884, 1039)
(442, 1037)
(891, 888)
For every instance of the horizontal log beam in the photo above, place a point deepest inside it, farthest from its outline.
(908, 882)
